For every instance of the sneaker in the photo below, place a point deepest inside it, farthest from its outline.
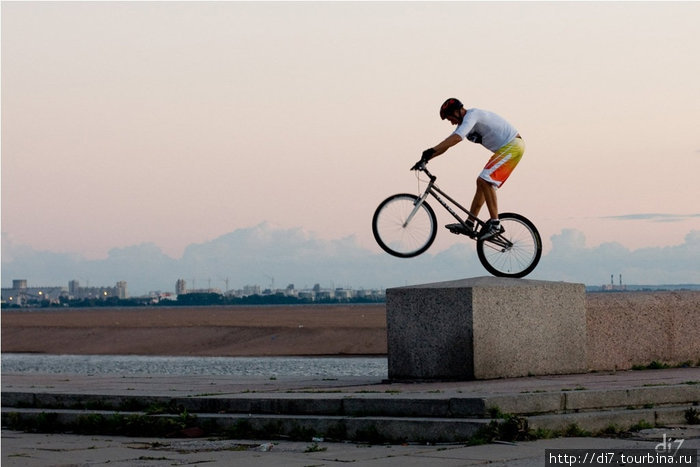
(461, 229)
(491, 229)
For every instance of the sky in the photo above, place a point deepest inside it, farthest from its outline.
(173, 124)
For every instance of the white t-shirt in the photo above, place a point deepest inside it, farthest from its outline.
(486, 128)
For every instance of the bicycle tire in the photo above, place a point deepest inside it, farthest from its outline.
(515, 261)
(394, 235)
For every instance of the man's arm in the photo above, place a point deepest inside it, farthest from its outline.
(446, 144)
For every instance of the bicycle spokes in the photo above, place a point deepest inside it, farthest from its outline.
(499, 243)
(404, 226)
(515, 252)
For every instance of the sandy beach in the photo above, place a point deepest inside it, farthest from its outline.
(199, 331)
(261, 330)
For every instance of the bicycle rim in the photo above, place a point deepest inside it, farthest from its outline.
(398, 236)
(516, 252)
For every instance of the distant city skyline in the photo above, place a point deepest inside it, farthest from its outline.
(24, 294)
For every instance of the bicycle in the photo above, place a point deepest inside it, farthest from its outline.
(404, 225)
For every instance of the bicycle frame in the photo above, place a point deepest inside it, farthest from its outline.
(435, 191)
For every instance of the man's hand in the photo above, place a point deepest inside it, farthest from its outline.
(427, 155)
(419, 165)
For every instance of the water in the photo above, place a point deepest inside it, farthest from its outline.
(327, 367)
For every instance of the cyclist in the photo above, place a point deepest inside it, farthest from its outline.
(495, 134)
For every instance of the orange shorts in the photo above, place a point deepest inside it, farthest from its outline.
(501, 165)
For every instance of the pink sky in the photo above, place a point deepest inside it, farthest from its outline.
(175, 123)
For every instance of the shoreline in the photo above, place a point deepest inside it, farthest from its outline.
(384, 355)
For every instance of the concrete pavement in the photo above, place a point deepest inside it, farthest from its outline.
(658, 397)
(41, 450)
(198, 385)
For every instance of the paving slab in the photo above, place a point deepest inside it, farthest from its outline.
(41, 450)
(226, 386)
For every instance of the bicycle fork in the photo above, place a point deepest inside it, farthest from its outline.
(416, 206)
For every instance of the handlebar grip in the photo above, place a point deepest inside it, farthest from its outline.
(420, 165)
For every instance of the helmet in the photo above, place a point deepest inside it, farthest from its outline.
(449, 107)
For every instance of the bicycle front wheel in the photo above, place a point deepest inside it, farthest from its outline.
(402, 227)
(515, 252)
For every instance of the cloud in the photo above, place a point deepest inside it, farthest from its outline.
(263, 253)
(571, 260)
(655, 217)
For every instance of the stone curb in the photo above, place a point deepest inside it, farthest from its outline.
(377, 404)
(598, 399)
(621, 420)
(373, 429)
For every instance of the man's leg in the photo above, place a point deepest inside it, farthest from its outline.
(477, 202)
(485, 192)
(490, 197)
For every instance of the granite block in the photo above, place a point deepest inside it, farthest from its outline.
(486, 327)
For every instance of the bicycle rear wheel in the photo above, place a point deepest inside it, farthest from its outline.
(515, 252)
(399, 235)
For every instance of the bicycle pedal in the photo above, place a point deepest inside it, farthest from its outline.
(460, 230)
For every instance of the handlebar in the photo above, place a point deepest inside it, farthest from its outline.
(422, 168)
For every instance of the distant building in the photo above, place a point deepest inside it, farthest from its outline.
(308, 295)
(370, 294)
(121, 290)
(21, 294)
(251, 290)
(210, 290)
(612, 286)
(165, 296)
(343, 294)
(75, 291)
(181, 289)
(325, 295)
